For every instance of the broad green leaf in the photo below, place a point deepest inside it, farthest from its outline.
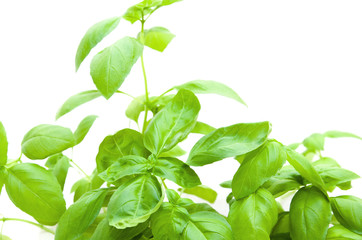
(157, 38)
(169, 222)
(105, 231)
(196, 207)
(149, 3)
(83, 128)
(228, 141)
(176, 151)
(325, 162)
(168, 2)
(110, 67)
(36, 191)
(59, 165)
(135, 201)
(93, 36)
(207, 86)
(338, 134)
(314, 142)
(176, 171)
(310, 214)
(80, 215)
(172, 196)
(339, 232)
(282, 229)
(207, 226)
(257, 167)
(135, 108)
(203, 192)
(305, 168)
(126, 166)
(173, 123)
(279, 186)
(45, 140)
(202, 128)
(336, 176)
(77, 100)
(3, 145)
(254, 217)
(348, 211)
(124, 142)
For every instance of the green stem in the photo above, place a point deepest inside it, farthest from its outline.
(29, 222)
(80, 169)
(145, 78)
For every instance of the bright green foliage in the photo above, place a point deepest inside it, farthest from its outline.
(314, 142)
(310, 214)
(3, 237)
(176, 151)
(45, 140)
(157, 38)
(202, 128)
(338, 232)
(282, 229)
(203, 192)
(83, 128)
(59, 165)
(35, 191)
(135, 108)
(3, 176)
(110, 67)
(338, 134)
(3, 146)
(86, 184)
(228, 142)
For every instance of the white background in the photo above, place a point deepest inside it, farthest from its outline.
(297, 64)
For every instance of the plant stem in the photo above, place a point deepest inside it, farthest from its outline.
(80, 169)
(30, 222)
(145, 78)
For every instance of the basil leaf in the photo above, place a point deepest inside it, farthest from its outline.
(314, 142)
(169, 222)
(110, 67)
(203, 192)
(157, 38)
(84, 185)
(196, 207)
(336, 176)
(135, 201)
(338, 232)
(202, 128)
(35, 191)
(173, 123)
(281, 229)
(3, 176)
(254, 217)
(124, 142)
(59, 165)
(348, 211)
(83, 128)
(45, 140)
(207, 226)
(226, 184)
(77, 100)
(80, 215)
(310, 214)
(207, 86)
(168, 2)
(176, 151)
(3, 237)
(93, 36)
(172, 196)
(3, 146)
(228, 142)
(176, 171)
(135, 108)
(338, 134)
(257, 167)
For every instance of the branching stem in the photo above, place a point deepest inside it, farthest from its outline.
(29, 222)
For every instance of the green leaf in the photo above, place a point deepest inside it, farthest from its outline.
(59, 165)
(203, 192)
(348, 211)
(124, 142)
(77, 100)
(228, 142)
(168, 2)
(135, 201)
(176, 171)
(93, 36)
(257, 167)
(45, 140)
(338, 134)
(226, 184)
(310, 214)
(3, 176)
(172, 196)
(285, 181)
(84, 185)
(202, 128)
(207, 86)
(314, 142)
(294, 146)
(80, 215)
(173, 123)
(254, 217)
(35, 191)
(3, 237)
(207, 226)
(282, 229)
(335, 176)
(157, 38)
(126, 166)
(110, 67)
(3, 146)
(338, 232)
(83, 128)
(135, 108)
(169, 222)
(176, 151)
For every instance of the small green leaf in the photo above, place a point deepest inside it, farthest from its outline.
(310, 214)
(228, 142)
(338, 232)
(338, 134)
(168, 2)
(59, 165)
(84, 185)
(157, 38)
(202, 128)
(348, 211)
(203, 192)
(176, 151)
(3, 145)
(93, 36)
(36, 191)
(335, 176)
(176, 171)
(226, 184)
(80, 215)
(257, 167)
(135, 108)
(283, 183)
(110, 67)
(207, 86)
(135, 201)
(314, 142)
(83, 128)
(294, 146)
(254, 217)
(172, 196)
(45, 140)
(173, 123)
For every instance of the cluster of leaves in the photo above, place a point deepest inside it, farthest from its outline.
(125, 196)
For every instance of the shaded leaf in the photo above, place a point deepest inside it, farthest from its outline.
(135, 108)
(59, 165)
(282, 229)
(339, 232)
(3, 145)
(203, 192)
(176, 151)
(226, 184)
(202, 128)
